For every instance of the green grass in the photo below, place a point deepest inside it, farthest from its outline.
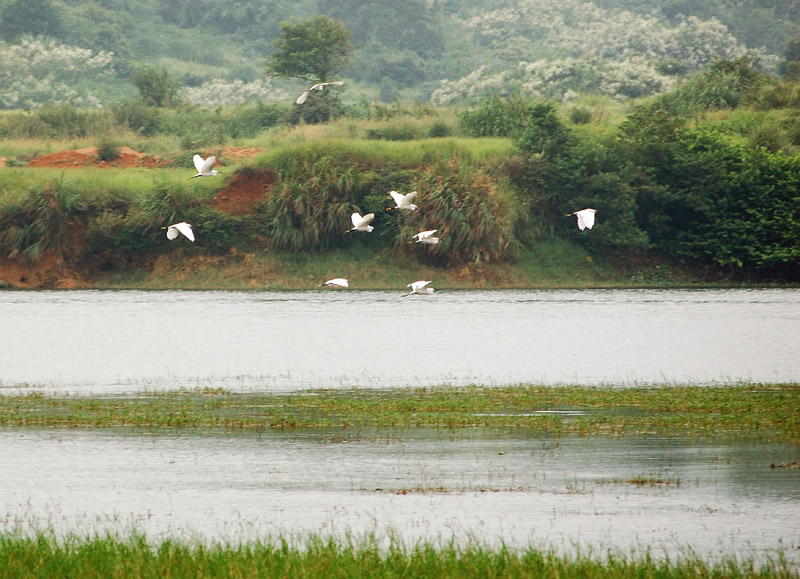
(137, 556)
(757, 412)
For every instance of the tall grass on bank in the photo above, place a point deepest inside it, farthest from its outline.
(137, 556)
(758, 412)
(319, 185)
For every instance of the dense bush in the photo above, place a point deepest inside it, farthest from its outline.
(317, 188)
(704, 198)
(475, 215)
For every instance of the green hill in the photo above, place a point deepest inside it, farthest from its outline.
(445, 50)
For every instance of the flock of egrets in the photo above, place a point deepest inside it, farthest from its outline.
(205, 168)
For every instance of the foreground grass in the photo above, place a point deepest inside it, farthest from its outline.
(44, 556)
(758, 412)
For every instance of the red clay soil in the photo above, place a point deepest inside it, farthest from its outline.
(127, 158)
(48, 272)
(243, 190)
(85, 157)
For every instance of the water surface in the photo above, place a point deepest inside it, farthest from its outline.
(566, 494)
(103, 341)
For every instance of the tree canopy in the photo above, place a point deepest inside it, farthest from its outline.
(314, 50)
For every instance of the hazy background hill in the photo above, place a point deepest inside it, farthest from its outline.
(444, 50)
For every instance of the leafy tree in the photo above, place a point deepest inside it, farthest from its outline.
(700, 197)
(561, 173)
(314, 50)
(30, 17)
(156, 86)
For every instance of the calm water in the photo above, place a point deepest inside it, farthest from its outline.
(102, 341)
(718, 500)
(563, 494)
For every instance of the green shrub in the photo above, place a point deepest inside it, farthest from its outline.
(439, 129)
(316, 190)
(474, 213)
(580, 115)
(139, 118)
(107, 150)
(496, 116)
(394, 132)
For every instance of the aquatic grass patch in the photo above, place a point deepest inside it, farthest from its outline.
(755, 412)
(137, 555)
(643, 481)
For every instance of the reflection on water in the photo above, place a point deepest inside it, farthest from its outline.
(102, 341)
(562, 493)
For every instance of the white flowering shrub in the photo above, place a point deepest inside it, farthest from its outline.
(36, 72)
(219, 92)
(559, 80)
(574, 45)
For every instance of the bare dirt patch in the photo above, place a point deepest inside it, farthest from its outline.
(241, 193)
(88, 157)
(48, 272)
(128, 158)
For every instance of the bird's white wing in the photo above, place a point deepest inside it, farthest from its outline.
(367, 219)
(356, 219)
(172, 233)
(409, 197)
(336, 82)
(340, 281)
(588, 217)
(198, 163)
(426, 234)
(207, 164)
(302, 98)
(397, 197)
(186, 229)
(418, 285)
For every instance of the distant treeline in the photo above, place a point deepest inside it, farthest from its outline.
(448, 51)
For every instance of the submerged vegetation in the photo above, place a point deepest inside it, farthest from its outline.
(43, 555)
(763, 412)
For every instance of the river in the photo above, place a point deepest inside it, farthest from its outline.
(112, 341)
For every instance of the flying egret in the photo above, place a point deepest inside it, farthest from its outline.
(403, 201)
(182, 227)
(335, 282)
(585, 218)
(420, 288)
(319, 86)
(426, 237)
(204, 166)
(361, 223)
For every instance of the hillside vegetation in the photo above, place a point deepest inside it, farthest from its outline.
(86, 53)
(699, 184)
(678, 123)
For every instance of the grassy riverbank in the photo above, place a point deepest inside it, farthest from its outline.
(757, 412)
(44, 556)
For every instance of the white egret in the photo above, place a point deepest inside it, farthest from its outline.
(403, 201)
(319, 86)
(585, 218)
(361, 223)
(420, 288)
(335, 282)
(426, 237)
(182, 227)
(204, 166)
